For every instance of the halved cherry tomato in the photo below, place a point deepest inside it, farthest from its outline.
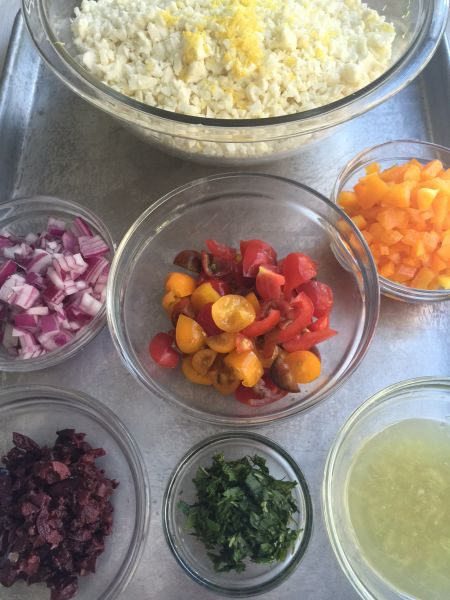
(264, 392)
(232, 313)
(223, 378)
(308, 339)
(320, 324)
(262, 325)
(206, 322)
(251, 297)
(266, 361)
(221, 250)
(282, 375)
(190, 373)
(203, 360)
(269, 282)
(222, 287)
(298, 268)
(168, 302)
(214, 266)
(243, 343)
(288, 329)
(204, 294)
(255, 253)
(321, 295)
(304, 366)
(223, 343)
(162, 351)
(189, 336)
(190, 260)
(246, 365)
(180, 284)
(182, 307)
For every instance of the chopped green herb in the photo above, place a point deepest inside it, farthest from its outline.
(242, 512)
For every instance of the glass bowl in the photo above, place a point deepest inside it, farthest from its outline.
(38, 412)
(420, 24)
(190, 553)
(230, 208)
(427, 398)
(388, 155)
(31, 215)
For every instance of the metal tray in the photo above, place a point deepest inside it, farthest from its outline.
(53, 142)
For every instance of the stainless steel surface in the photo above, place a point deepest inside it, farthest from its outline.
(54, 143)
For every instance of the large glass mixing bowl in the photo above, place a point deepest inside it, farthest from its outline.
(419, 25)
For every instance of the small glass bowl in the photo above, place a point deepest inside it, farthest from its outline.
(38, 412)
(191, 554)
(427, 398)
(388, 155)
(31, 215)
(230, 208)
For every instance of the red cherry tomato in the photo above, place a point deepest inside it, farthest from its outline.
(263, 325)
(222, 287)
(221, 250)
(322, 296)
(305, 341)
(255, 253)
(288, 329)
(320, 324)
(243, 343)
(264, 392)
(298, 268)
(205, 320)
(162, 351)
(269, 282)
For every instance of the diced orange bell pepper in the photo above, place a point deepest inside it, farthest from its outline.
(425, 197)
(423, 278)
(432, 169)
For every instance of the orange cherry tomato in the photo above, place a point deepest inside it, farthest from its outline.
(180, 284)
(204, 294)
(232, 313)
(203, 360)
(168, 302)
(303, 365)
(223, 343)
(189, 336)
(246, 366)
(190, 373)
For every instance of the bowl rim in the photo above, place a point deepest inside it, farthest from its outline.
(381, 397)
(420, 52)
(369, 277)
(168, 499)
(31, 394)
(389, 288)
(22, 208)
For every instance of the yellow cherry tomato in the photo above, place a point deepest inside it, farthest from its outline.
(232, 313)
(204, 294)
(246, 366)
(303, 365)
(251, 297)
(180, 284)
(190, 373)
(203, 360)
(168, 302)
(189, 336)
(223, 343)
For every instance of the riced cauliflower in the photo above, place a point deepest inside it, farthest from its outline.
(233, 58)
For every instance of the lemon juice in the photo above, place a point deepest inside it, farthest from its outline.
(398, 495)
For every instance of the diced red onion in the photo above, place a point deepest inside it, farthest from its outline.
(6, 269)
(92, 246)
(26, 321)
(37, 310)
(80, 228)
(56, 227)
(52, 284)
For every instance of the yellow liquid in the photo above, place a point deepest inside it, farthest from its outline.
(398, 495)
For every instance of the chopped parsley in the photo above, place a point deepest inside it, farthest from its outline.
(242, 512)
